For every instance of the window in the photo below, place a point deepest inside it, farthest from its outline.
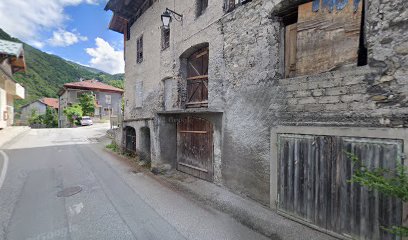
(165, 38)
(108, 99)
(201, 6)
(197, 79)
(321, 37)
(139, 45)
(231, 4)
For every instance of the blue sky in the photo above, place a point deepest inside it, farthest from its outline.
(76, 30)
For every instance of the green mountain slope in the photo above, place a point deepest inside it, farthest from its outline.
(47, 73)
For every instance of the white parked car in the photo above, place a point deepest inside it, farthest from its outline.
(86, 121)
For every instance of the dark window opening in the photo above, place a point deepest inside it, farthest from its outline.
(127, 31)
(232, 4)
(201, 7)
(165, 38)
(310, 47)
(139, 50)
(362, 50)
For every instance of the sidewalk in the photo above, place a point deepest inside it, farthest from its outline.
(9, 133)
(247, 212)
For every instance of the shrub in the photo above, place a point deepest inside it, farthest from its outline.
(391, 182)
(73, 113)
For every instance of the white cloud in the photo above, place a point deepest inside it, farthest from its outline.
(63, 38)
(25, 19)
(106, 58)
(37, 44)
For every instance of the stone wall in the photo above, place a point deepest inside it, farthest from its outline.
(246, 83)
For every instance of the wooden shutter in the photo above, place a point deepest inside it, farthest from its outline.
(290, 50)
(327, 39)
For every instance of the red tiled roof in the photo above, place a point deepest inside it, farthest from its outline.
(51, 102)
(92, 85)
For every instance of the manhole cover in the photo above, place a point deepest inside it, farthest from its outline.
(67, 192)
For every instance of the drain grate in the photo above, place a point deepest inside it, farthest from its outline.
(68, 192)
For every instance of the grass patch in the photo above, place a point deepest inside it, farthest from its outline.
(114, 147)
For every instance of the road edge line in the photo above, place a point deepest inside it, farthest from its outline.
(4, 169)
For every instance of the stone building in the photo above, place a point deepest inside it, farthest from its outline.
(11, 61)
(39, 106)
(269, 98)
(108, 99)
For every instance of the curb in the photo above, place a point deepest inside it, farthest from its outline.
(240, 214)
(251, 214)
(23, 131)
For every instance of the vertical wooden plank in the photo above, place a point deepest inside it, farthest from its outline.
(290, 50)
(327, 40)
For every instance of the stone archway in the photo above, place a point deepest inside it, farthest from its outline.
(130, 139)
(145, 144)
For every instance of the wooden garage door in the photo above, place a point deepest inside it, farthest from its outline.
(195, 147)
(314, 174)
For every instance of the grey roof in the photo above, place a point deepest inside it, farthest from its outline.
(10, 48)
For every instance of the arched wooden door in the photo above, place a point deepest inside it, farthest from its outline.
(195, 147)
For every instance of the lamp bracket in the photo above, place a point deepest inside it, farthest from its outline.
(175, 14)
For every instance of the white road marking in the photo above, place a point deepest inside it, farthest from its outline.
(5, 166)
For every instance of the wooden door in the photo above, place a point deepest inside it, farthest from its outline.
(197, 79)
(314, 174)
(195, 147)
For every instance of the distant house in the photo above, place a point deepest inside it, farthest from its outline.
(11, 61)
(108, 98)
(39, 106)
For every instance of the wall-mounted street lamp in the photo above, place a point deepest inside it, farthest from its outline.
(166, 18)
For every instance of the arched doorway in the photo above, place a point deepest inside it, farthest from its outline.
(195, 147)
(145, 144)
(130, 139)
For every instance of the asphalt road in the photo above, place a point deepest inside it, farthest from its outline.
(114, 203)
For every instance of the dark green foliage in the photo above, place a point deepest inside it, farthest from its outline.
(392, 182)
(113, 146)
(87, 102)
(47, 73)
(73, 113)
(51, 118)
(35, 118)
(116, 83)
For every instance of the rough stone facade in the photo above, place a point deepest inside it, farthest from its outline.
(247, 93)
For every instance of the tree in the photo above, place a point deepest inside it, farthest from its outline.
(391, 182)
(51, 118)
(116, 83)
(73, 113)
(35, 118)
(87, 102)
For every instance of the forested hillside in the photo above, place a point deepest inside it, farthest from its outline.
(47, 73)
